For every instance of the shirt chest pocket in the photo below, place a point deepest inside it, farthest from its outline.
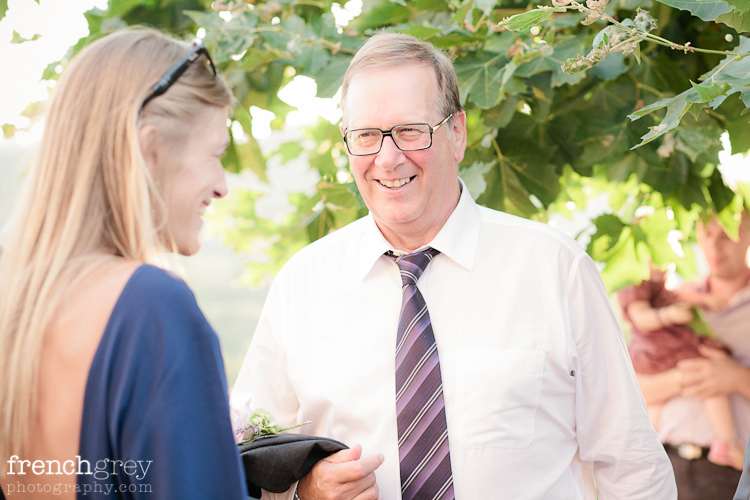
(498, 396)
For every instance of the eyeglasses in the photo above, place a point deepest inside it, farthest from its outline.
(178, 69)
(409, 137)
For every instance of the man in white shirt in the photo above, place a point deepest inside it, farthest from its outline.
(536, 387)
(684, 425)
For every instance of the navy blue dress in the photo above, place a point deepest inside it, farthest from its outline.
(156, 419)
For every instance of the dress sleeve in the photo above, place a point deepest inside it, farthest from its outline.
(168, 407)
(612, 425)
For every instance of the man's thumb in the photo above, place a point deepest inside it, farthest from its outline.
(348, 455)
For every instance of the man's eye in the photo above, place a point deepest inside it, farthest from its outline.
(409, 133)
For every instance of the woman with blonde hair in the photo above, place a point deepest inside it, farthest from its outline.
(111, 379)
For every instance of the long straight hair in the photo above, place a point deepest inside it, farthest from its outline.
(89, 197)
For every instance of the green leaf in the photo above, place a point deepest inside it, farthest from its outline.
(119, 8)
(505, 191)
(609, 228)
(738, 135)
(289, 151)
(733, 77)
(676, 108)
(734, 71)
(483, 79)
(17, 38)
(8, 130)
(3, 8)
(380, 14)
(226, 38)
(463, 12)
(525, 20)
(247, 155)
(707, 10)
(486, 6)
(739, 18)
(721, 195)
(697, 140)
(473, 177)
(709, 93)
(313, 59)
(652, 232)
(423, 32)
(330, 78)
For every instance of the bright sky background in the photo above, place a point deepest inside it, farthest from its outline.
(60, 24)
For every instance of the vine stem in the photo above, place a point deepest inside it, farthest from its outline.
(655, 38)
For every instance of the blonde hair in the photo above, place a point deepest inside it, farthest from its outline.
(89, 196)
(397, 49)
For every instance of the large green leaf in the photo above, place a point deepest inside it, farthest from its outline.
(483, 78)
(735, 71)
(739, 18)
(473, 177)
(3, 8)
(733, 77)
(227, 38)
(708, 10)
(525, 20)
(330, 78)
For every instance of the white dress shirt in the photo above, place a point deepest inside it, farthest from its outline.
(541, 400)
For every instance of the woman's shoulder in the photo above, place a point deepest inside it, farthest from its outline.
(149, 281)
(156, 324)
(154, 291)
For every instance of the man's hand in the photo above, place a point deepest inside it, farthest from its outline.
(342, 476)
(715, 374)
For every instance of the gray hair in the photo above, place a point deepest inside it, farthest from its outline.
(396, 49)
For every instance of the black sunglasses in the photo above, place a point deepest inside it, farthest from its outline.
(178, 69)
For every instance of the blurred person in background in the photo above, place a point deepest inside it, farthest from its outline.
(684, 425)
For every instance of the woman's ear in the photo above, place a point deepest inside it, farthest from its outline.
(148, 142)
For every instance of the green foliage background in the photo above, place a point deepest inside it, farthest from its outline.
(541, 141)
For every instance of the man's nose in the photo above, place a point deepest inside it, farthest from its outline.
(389, 156)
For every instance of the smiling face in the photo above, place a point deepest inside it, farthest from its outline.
(410, 194)
(192, 176)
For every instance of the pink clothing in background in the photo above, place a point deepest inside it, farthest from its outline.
(656, 351)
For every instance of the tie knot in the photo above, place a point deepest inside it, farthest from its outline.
(413, 264)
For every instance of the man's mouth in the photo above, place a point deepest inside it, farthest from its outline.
(395, 184)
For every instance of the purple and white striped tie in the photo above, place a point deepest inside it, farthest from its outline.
(422, 431)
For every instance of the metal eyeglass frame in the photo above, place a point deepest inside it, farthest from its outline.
(178, 69)
(385, 133)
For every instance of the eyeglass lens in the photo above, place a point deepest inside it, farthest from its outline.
(407, 138)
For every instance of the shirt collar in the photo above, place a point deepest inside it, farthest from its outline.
(457, 239)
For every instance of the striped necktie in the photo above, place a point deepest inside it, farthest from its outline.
(422, 429)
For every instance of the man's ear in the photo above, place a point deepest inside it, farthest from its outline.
(459, 135)
(148, 142)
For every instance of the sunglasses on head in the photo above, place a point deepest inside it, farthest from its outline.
(178, 69)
